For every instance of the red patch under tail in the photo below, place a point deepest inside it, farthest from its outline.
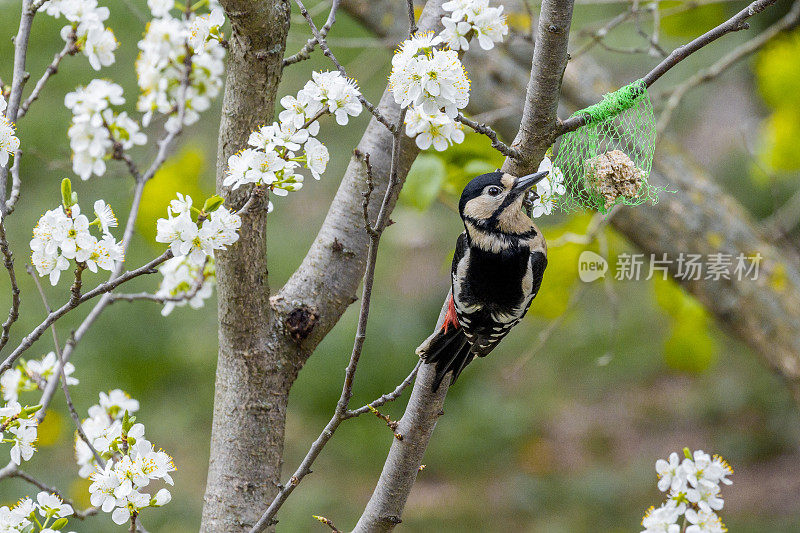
(450, 319)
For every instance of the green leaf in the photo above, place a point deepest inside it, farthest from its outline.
(424, 182)
(66, 193)
(213, 203)
(58, 524)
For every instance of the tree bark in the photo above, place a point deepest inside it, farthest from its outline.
(252, 386)
(265, 341)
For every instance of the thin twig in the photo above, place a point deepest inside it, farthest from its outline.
(19, 77)
(21, 474)
(412, 21)
(497, 144)
(391, 424)
(367, 194)
(786, 23)
(327, 522)
(733, 24)
(8, 262)
(16, 184)
(323, 45)
(64, 387)
(388, 397)
(185, 297)
(52, 68)
(305, 52)
(103, 288)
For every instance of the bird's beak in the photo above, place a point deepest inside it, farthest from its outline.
(526, 182)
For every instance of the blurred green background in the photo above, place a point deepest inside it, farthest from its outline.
(563, 439)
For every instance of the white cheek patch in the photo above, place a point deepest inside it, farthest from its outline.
(482, 207)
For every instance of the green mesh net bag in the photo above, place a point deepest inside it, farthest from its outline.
(608, 161)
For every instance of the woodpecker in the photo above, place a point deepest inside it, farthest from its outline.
(497, 270)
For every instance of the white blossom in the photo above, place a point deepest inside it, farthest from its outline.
(704, 521)
(671, 475)
(299, 110)
(24, 435)
(160, 8)
(423, 75)
(317, 157)
(96, 126)
(132, 465)
(179, 281)
(116, 402)
(334, 91)
(694, 493)
(160, 67)
(162, 497)
(549, 189)
(13, 382)
(9, 142)
(661, 520)
(197, 240)
(487, 23)
(47, 368)
(490, 27)
(62, 235)
(99, 47)
(105, 216)
(433, 129)
(87, 27)
(455, 33)
(203, 26)
(50, 505)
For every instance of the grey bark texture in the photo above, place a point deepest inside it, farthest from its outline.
(252, 387)
(539, 116)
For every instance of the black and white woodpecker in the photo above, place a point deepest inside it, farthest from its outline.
(497, 270)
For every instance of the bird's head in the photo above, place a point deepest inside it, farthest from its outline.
(492, 204)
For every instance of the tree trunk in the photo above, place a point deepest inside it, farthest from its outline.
(252, 387)
(265, 341)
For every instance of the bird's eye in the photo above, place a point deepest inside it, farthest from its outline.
(494, 190)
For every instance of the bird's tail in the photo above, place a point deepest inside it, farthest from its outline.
(448, 349)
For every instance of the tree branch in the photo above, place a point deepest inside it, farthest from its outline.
(103, 288)
(735, 23)
(13, 471)
(483, 129)
(64, 387)
(305, 51)
(786, 23)
(537, 128)
(19, 77)
(52, 68)
(323, 45)
(8, 262)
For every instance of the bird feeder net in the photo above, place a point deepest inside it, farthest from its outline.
(608, 161)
